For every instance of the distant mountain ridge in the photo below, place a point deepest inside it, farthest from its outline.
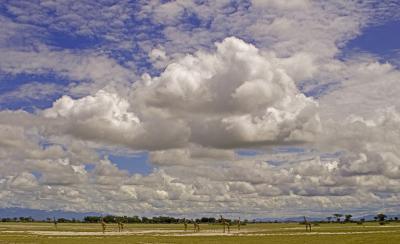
(289, 219)
(301, 218)
(38, 214)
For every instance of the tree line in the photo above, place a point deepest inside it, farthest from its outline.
(153, 220)
(335, 218)
(123, 219)
(30, 219)
(345, 218)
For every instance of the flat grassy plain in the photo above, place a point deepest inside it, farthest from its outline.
(210, 233)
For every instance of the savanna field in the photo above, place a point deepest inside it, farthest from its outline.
(44, 233)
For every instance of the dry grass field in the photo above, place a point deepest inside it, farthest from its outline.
(209, 233)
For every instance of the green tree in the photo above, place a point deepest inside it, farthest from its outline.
(337, 216)
(347, 217)
(92, 219)
(381, 217)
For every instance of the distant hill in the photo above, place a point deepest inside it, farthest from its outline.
(371, 217)
(289, 219)
(42, 214)
(301, 219)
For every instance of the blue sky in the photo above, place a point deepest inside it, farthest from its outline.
(195, 91)
(137, 163)
(382, 40)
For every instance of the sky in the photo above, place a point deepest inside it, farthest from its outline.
(249, 108)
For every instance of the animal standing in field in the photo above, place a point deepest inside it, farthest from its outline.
(308, 225)
(185, 224)
(120, 226)
(225, 224)
(103, 225)
(196, 227)
(222, 220)
(238, 224)
(55, 223)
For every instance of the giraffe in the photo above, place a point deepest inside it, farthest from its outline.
(239, 224)
(196, 227)
(308, 225)
(55, 223)
(225, 224)
(103, 225)
(120, 225)
(222, 220)
(185, 224)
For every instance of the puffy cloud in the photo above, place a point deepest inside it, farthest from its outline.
(106, 117)
(369, 146)
(236, 95)
(23, 182)
(88, 107)
(231, 98)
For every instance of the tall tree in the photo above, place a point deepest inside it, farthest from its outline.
(347, 217)
(381, 217)
(337, 216)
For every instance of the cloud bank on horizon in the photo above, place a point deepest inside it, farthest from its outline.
(248, 108)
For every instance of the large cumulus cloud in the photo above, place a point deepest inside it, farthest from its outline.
(234, 97)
